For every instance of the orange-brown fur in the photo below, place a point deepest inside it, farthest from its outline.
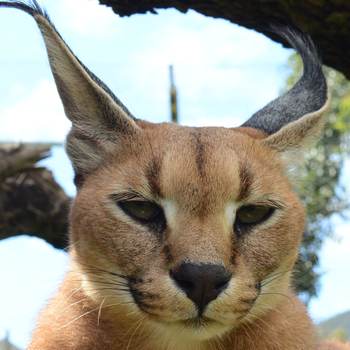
(120, 291)
(84, 315)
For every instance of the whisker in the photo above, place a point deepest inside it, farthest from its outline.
(108, 288)
(280, 294)
(103, 281)
(247, 329)
(134, 332)
(121, 303)
(99, 312)
(94, 271)
(273, 277)
(77, 318)
(99, 309)
(94, 268)
(76, 290)
(72, 304)
(260, 319)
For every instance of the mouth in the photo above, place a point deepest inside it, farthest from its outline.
(200, 328)
(198, 322)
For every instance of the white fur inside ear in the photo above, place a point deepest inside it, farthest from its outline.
(98, 119)
(292, 141)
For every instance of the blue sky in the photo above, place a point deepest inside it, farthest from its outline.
(224, 73)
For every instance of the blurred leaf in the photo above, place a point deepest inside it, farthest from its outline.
(319, 186)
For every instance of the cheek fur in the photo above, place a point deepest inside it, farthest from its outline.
(99, 235)
(267, 248)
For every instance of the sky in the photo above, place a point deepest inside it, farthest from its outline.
(223, 72)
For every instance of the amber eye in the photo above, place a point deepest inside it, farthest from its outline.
(250, 215)
(141, 210)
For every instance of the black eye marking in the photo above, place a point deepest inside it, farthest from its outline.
(146, 301)
(141, 210)
(249, 216)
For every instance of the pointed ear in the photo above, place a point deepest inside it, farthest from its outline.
(99, 120)
(295, 120)
(293, 139)
(307, 96)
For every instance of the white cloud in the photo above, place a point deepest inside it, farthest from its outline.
(87, 17)
(37, 116)
(195, 40)
(35, 271)
(216, 63)
(221, 44)
(335, 262)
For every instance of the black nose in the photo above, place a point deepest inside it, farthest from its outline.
(202, 283)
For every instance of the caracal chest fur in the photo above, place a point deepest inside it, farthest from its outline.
(180, 238)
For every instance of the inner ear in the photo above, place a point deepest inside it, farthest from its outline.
(294, 119)
(292, 141)
(300, 134)
(100, 121)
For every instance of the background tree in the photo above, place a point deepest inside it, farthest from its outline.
(31, 201)
(339, 334)
(320, 185)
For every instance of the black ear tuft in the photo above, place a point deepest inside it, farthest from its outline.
(31, 7)
(308, 95)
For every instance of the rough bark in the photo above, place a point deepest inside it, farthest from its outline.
(328, 21)
(31, 202)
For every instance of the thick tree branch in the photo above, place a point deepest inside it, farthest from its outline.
(328, 21)
(31, 202)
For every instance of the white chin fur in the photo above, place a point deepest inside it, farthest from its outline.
(182, 332)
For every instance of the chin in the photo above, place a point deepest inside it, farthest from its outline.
(193, 329)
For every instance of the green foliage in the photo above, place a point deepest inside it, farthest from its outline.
(337, 327)
(339, 334)
(319, 186)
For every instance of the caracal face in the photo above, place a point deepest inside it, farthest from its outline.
(199, 178)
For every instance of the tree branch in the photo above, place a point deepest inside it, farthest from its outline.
(31, 202)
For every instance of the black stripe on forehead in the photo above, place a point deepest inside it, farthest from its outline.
(153, 176)
(199, 152)
(246, 180)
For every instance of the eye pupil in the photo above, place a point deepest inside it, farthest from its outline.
(251, 215)
(144, 212)
(141, 210)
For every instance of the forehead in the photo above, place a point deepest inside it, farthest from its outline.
(200, 167)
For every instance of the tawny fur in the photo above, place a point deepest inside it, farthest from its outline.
(119, 292)
(80, 316)
(286, 327)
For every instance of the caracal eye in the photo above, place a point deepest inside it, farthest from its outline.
(249, 215)
(141, 210)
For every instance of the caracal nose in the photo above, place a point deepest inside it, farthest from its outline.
(202, 283)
